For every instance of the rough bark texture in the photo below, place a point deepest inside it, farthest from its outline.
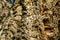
(30, 20)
